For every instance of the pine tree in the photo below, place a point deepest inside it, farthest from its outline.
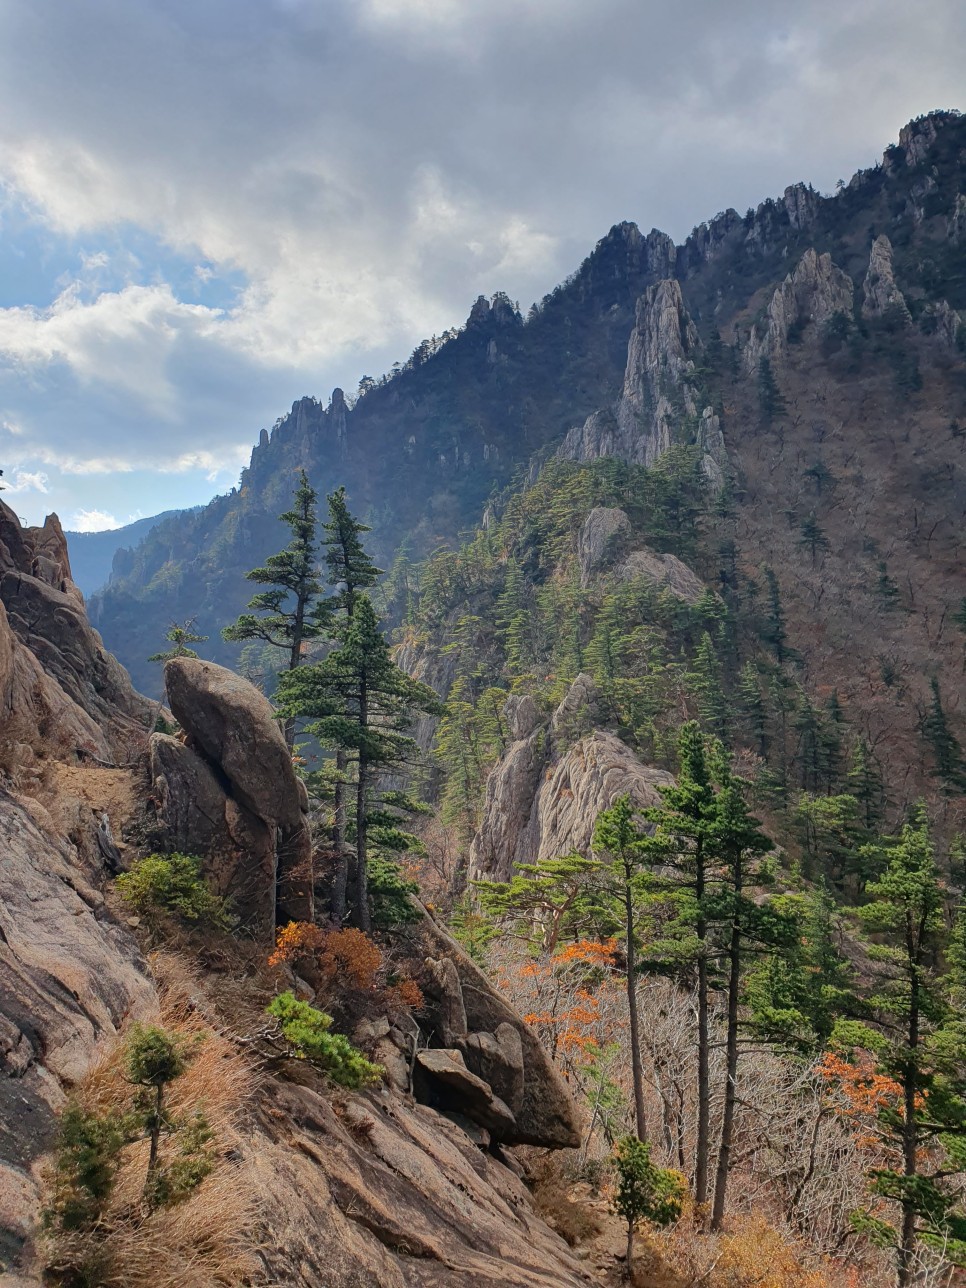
(624, 846)
(920, 1045)
(770, 398)
(705, 683)
(292, 611)
(736, 841)
(946, 751)
(887, 588)
(864, 782)
(350, 571)
(774, 632)
(812, 538)
(751, 706)
(181, 636)
(358, 700)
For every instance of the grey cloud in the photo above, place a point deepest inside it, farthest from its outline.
(371, 165)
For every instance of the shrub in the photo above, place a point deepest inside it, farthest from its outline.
(645, 1192)
(86, 1160)
(172, 885)
(307, 1031)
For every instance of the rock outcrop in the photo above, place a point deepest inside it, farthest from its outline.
(665, 572)
(232, 795)
(881, 296)
(605, 532)
(543, 798)
(70, 977)
(809, 296)
(660, 356)
(61, 692)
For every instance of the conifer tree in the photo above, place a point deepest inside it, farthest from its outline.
(751, 706)
(920, 1045)
(774, 632)
(705, 682)
(292, 611)
(812, 538)
(864, 782)
(946, 751)
(624, 845)
(350, 572)
(358, 700)
(770, 398)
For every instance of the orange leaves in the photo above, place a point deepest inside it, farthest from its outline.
(298, 941)
(350, 955)
(590, 952)
(343, 960)
(864, 1092)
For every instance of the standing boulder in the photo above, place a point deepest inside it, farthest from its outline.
(232, 729)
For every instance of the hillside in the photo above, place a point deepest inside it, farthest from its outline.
(92, 553)
(422, 450)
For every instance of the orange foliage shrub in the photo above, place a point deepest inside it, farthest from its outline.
(350, 956)
(298, 941)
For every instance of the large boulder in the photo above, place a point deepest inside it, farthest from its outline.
(448, 1084)
(236, 729)
(544, 1111)
(254, 835)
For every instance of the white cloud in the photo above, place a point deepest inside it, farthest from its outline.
(28, 481)
(93, 521)
(369, 166)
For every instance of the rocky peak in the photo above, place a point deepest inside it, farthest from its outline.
(660, 356)
(917, 138)
(808, 296)
(802, 203)
(880, 293)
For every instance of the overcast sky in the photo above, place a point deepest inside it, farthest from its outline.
(209, 208)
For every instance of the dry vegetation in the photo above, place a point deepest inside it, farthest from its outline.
(204, 1241)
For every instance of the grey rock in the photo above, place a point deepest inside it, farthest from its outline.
(603, 534)
(446, 1079)
(808, 296)
(880, 294)
(450, 1010)
(520, 713)
(497, 1058)
(664, 571)
(368, 1031)
(234, 727)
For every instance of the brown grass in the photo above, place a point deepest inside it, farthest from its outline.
(205, 1241)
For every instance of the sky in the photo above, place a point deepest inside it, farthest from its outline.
(209, 208)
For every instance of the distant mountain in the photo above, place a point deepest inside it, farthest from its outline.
(92, 553)
(877, 271)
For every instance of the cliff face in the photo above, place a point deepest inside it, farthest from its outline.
(404, 1185)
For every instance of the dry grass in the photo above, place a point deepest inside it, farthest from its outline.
(205, 1241)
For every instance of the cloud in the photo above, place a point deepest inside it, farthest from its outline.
(27, 481)
(355, 172)
(93, 521)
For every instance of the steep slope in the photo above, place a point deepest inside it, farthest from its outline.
(399, 1185)
(422, 451)
(93, 553)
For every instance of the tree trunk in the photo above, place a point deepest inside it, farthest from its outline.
(295, 660)
(637, 1066)
(363, 920)
(704, 1076)
(340, 877)
(731, 1074)
(154, 1132)
(907, 1238)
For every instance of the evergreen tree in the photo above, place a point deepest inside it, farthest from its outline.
(705, 683)
(887, 588)
(350, 571)
(920, 1044)
(551, 900)
(946, 751)
(291, 612)
(617, 837)
(751, 706)
(770, 398)
(812, 538)
(774, 632)
(181, 636)
(864, 782)
(358, 700)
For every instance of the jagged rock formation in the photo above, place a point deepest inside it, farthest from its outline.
(232, 796)
(809, 296)
(604, 534)
(660, 359)
(59, 688)
(880, 294)
(543, 797)
(422, 452)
